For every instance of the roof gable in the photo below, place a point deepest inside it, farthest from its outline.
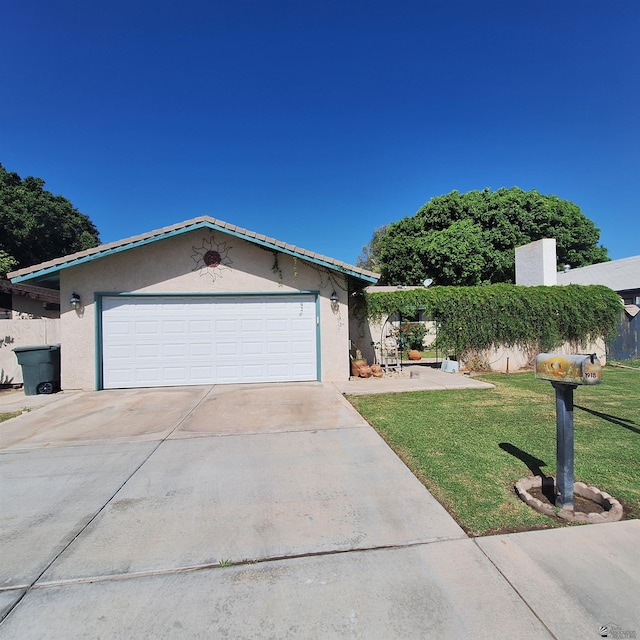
(49, 271)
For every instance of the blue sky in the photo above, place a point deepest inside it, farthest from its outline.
(316, 122)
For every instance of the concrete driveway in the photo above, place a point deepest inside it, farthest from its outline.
(267, 511)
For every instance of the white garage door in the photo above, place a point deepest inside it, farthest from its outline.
(172, 341)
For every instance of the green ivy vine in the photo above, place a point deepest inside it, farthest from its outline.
(477, 318)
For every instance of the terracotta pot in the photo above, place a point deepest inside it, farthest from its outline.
(357, 365)
(376, 371)
(415, 355)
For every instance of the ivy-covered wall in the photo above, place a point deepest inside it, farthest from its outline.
(473, 319)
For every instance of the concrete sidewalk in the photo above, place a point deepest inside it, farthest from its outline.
(250, 511)
(412, 378)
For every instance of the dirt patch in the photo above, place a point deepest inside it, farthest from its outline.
(515, 529)
(584, 505)
(590, 503)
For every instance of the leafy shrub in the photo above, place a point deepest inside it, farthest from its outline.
(410, 335)
(478, 318)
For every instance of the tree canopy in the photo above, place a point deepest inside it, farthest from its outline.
(470, 239)
(36, 226)
(370, 256)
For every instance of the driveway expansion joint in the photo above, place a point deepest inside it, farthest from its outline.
(36, 584)
(515, 589)
(223, 564)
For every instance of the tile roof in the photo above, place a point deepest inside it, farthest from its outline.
(30, 291)
(44, 269)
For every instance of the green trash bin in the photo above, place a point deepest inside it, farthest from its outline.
(40, 368)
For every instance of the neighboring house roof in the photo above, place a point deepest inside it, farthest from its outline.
(387, 288)
(30, 291)
(48, 272)
(619, 275)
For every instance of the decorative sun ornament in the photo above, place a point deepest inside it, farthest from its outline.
(212, 258)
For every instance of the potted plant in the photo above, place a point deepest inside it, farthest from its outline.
(410, 336)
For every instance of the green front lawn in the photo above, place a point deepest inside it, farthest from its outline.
(470, 446)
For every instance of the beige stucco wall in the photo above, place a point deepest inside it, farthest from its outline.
(498, 359)
(370, 335)
(24, 306)
(514, 359)
(22, 332)
(175, 265)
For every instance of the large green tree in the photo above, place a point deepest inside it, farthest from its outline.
(470, 239)
(36, 226)
(370, 256)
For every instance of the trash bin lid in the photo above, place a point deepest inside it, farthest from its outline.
(37, 347)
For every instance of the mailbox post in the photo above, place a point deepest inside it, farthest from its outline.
(564, 444)
(566, 372)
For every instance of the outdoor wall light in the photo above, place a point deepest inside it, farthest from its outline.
(75, 300)
(334, 297)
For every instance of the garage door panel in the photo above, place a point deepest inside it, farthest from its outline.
(226, 349)
(147, 328)
(253, 371)
(147, 350)
(145, 375)
(278, 348)
(120, 351)
(277, 325)
(122, 376)
(200, 349)
(226, 374)
(122, 327)
(251, 325)
(301, 324)
(174, 374)
(174, 350)
(228, 310)
(200, 326)
(278, 370)
(205, 340)
(225, 326)
(254, 349)
(201, 372)
(301, 369)
(177, 327)
(302, 348)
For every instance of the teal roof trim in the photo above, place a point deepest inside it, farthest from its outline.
(50, 270)
(36, 275)
(319, 260)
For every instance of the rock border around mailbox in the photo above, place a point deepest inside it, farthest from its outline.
(612, 507)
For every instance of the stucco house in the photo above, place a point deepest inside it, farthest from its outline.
(623, 276)
(21, 301)
(536, 264)
(200, 302)
(29, 315)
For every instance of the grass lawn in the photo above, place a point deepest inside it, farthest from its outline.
(6, 416)
(470, 446)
